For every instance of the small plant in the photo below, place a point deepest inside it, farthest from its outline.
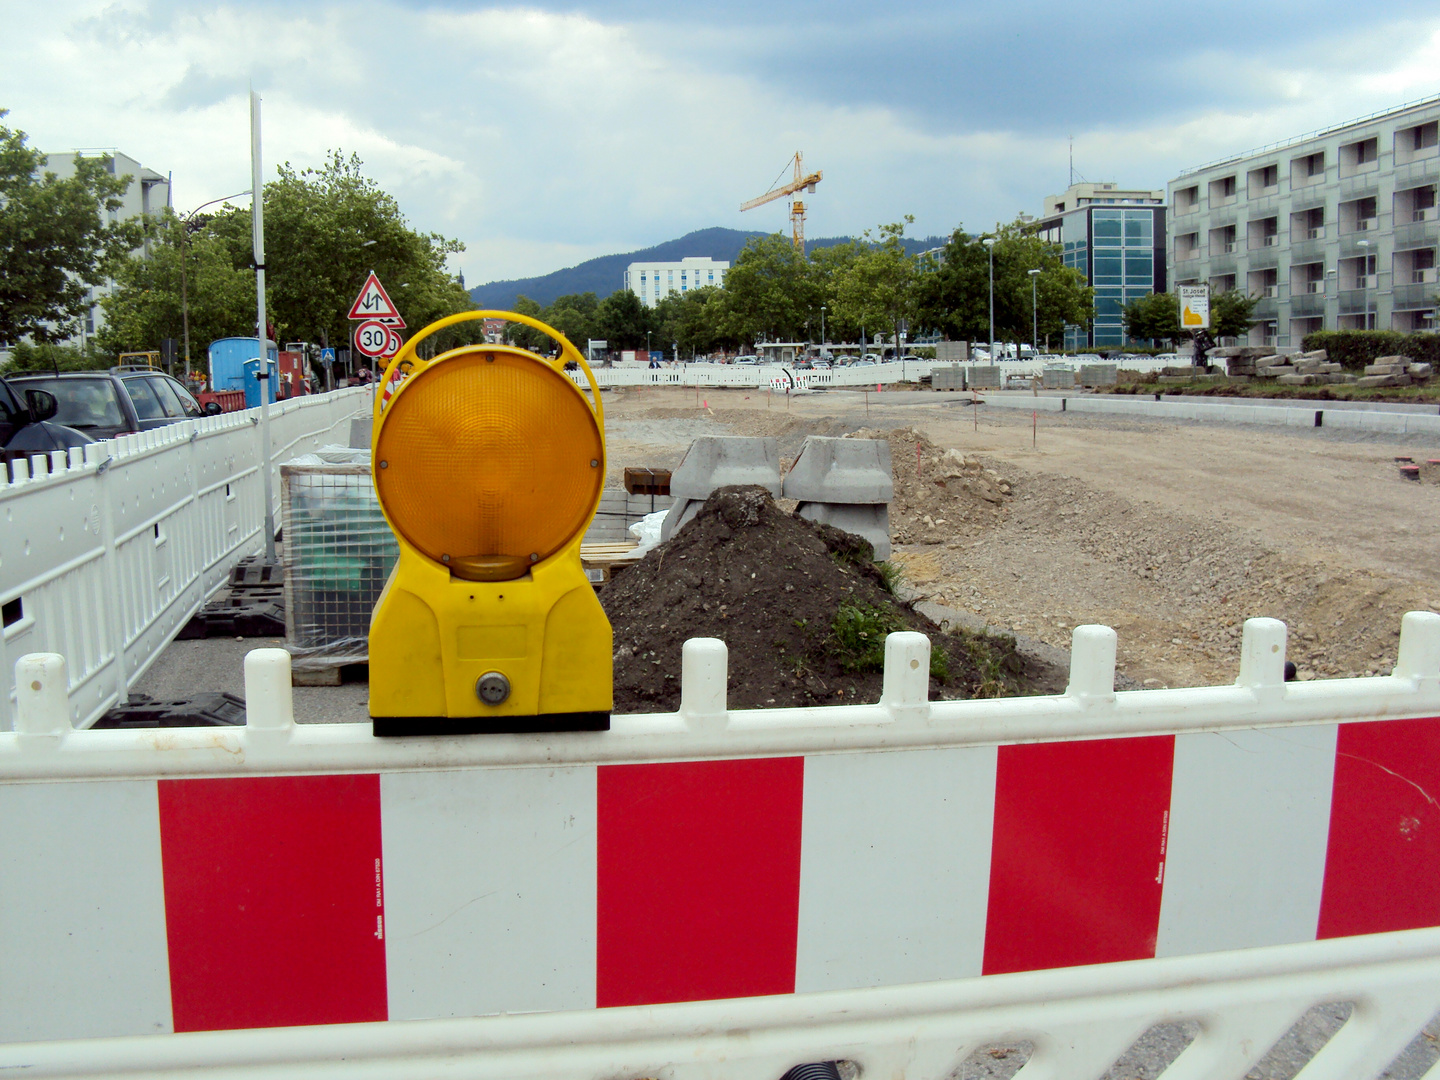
(939, 663)
(858, 635)
(891, 575)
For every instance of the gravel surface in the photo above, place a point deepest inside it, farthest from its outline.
(1172, 532)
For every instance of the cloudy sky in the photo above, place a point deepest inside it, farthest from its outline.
(545, 134)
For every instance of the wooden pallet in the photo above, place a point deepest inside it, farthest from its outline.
(600, 560)
(323, 670)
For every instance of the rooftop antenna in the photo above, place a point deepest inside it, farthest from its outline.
(1072, 160)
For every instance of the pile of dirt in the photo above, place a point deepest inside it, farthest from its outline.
(802, 607)
(938, 493)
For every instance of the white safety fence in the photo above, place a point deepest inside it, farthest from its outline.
(107, 551)
(758, 375)
(1254, 766)
(1080, 1021)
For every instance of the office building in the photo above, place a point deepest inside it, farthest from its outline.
(1116, 238)
(1333, 230)
(653, 281)
(148, 194)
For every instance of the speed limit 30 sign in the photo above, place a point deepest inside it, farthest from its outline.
(373, 338)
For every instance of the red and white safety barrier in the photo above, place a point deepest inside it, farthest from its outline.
(275, 875)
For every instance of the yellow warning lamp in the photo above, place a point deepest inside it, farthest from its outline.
(489, 463)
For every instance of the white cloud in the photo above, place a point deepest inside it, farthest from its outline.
(542, 138)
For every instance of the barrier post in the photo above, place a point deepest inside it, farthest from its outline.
(269, 701)
(905, 692)
(1092, 665)
(1419, 655)
(42, 698)
(110, 570)
(1262, 656)
(704, 667)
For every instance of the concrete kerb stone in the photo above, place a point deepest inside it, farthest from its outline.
(847, 483)
(716, 461)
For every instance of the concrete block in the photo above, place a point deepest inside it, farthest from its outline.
(359, 430)
(1099, 374)
(1316, 354)
(1401, 360)
(1383, 380)
(1058, 379)
(1300, 380)
(716, 461)
(1274, 371)
(984, 375)
(841, 471)
(951, 377)
(871, 522)
(1418, 371)
(1384, 367)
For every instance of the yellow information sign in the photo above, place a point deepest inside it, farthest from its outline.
(1194, 307)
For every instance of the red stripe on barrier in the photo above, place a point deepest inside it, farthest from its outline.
(272, 901)
(1077, 862)
(699, 880)
(1382, 864)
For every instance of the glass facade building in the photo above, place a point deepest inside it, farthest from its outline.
(1116, 239)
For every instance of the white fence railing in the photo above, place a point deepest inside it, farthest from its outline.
(108, 550)
(757, 375)
(844, 853)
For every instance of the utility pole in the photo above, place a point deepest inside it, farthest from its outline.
(257, 233)
(990, 247)
(1034, 314)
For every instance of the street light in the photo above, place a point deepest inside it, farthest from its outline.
(822, 327)
(184, 288)
(1365, 279)
(990, 247)
(1034, 315)
(1331, 275)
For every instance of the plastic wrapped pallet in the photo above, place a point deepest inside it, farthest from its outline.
(339, 551)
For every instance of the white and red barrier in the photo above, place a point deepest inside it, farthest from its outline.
(276, 876)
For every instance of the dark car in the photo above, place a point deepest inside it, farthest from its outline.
(26, 427)
(104, 404)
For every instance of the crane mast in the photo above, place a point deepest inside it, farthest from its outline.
(801, 182)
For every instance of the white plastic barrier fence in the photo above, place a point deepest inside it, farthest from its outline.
(754, 376)
(880, 873)
(107, 551)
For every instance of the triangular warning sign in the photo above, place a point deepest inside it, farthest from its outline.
(373, 301)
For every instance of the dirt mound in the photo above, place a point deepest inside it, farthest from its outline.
(802, 607)
(938, 493)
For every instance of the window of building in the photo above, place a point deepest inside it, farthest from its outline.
(1359, 215)
(1187, 199)
(1262, 233)
(1307, 278)
(1359, 156)
(1108, 269)
(1417, 142)
(1106, 228)
(1263, 181)
(1222, 240)
(1222, 191)
(1187, 246)
(1415, 204)
(1263, 283)
(1138, 227)
(1307, 225)
(1306, 170)
(1222, 283)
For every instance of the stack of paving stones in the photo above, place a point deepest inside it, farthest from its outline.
(1394, 371)
(1302, 369)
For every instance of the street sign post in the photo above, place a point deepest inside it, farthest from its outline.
(1194, 307)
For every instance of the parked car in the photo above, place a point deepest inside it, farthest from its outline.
(867, 362)
(822, 365)
(750, 360)
(104, 404)
(27, 427)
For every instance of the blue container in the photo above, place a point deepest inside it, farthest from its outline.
(227, 365)
(252, 382)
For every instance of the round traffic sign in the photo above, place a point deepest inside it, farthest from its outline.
(373, 338)
(396, 342)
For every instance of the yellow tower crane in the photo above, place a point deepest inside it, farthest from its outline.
(801, 182)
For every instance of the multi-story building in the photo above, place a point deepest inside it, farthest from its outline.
(1116, 238)
(148, 193)
(1331, 230)
(653, 281)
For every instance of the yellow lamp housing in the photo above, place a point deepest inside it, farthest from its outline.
(489, 462)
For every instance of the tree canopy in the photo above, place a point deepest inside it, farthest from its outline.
(1156, 316)
(56, 243)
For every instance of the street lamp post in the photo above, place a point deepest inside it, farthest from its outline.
(1365, 278)
(990, 247)
(1331, 275)
(1034, 314)
(822, 327)
(184, 286)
